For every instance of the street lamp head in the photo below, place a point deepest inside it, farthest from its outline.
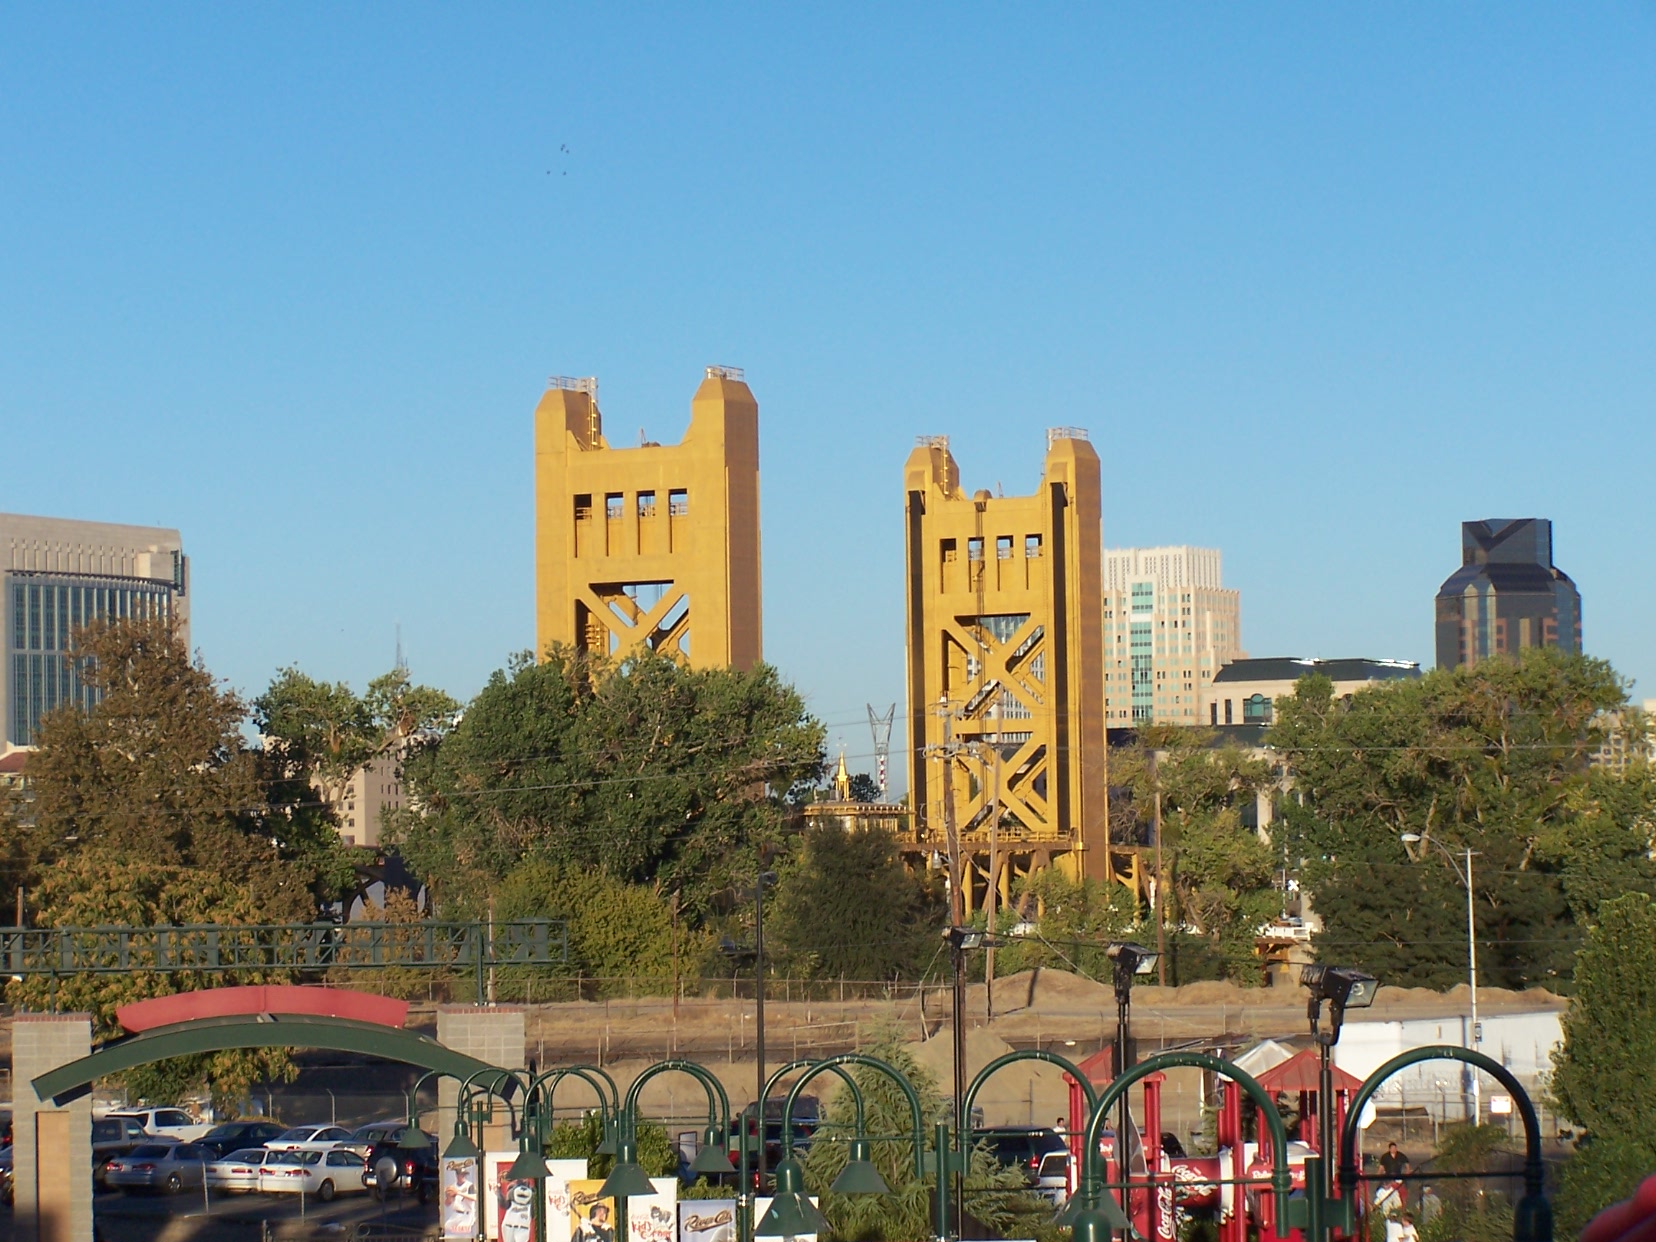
(1411, 838)
(460, 1146)
(791, 1213)
(964, 937)
(529, 1166)
(860, 1177)
(413, 1139)
(1344, 987)
(626, 1180)
(712, 1158)
(1132, 959)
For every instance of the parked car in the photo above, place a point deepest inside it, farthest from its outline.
(392, 1167)
(364, 1138)
(173, 1123)
(231, 1135)
(308, 1138)
(1052, 1178)
(239, 1170)
(1023, 1146)
(115, 1136)
(6, 1191)
(163, 1166)
(312, 1171)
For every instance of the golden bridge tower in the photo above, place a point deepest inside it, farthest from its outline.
(1006, 669)
(654, 547)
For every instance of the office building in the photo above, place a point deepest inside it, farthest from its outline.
(1507, 595)
(1005, 669)
(654, 547)
(366, 800)
(56, 575)
(1245, 691)
(1170, 625)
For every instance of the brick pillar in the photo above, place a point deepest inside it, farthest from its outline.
(496, 1035)
(52, 1152)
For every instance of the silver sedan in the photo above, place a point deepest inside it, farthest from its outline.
(168, 1167)
(237, 1171)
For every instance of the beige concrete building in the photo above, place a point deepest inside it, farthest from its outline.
(1169, 626)
(375, 790)
(57, 574)
(1245, 691)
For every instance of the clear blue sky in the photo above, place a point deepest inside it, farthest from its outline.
(1322, 281)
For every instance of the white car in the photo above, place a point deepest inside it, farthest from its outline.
(309, 1138)
(172, 1123)
(313, 1172)
(239, 1170)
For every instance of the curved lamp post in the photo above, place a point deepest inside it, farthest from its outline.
(859, 1177)
(791, 1212)
(1532, 1222)
(627, 1179)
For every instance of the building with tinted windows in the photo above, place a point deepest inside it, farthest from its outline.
(1169, 626)
(1507, 595)
(56, 575)
(1245, 691)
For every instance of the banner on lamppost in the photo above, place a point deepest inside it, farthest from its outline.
(591, 1219)
(654, 1218)
(562, 1174)
(707, 1220)
(497, 1191)
(458, 1187)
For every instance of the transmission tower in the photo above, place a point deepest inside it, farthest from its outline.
(880, 726)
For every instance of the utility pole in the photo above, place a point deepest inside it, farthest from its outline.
(1476, 1034)
(759, 1006)
(1161, 877)
(992, 894)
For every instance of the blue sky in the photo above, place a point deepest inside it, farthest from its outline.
(1322, 281)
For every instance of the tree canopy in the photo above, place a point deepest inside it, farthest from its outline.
(1601, 1072)
(650, 772)
(1498, 759)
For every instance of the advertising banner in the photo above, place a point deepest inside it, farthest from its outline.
(494, 1164)
(563, 1172)
(457, 1184)
(591, 1219)
(707, 1220)
(654, 1218)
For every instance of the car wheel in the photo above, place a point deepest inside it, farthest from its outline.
(174, 1184)
(325, 1191)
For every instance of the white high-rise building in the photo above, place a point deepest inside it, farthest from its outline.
(1169, 626)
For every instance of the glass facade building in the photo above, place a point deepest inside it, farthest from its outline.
(57, 576)
(1507, 595)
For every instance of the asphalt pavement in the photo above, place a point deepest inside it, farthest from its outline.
(223, 1217)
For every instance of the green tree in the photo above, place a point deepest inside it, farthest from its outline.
(650, 772)
(864, 788)
(847, 907)
(93, 889)
(1601, 1072)
(1218, 873)
(157, 772)
(1497, 758)
(1077, 920)
(994, 1194)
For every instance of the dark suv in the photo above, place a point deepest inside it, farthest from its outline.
(410, 1170)
(1023, 1146)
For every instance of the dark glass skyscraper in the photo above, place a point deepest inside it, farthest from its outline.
(1507, 594)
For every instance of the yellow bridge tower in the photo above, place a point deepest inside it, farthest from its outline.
(1006, 670)
(654, 547)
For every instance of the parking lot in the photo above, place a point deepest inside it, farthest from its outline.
(246, 1217)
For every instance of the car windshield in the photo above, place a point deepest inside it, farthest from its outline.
(226, 1131)
(293, 1157)
(297, 1135)
(377, 1129)
(247, 1155)
(151, 1151)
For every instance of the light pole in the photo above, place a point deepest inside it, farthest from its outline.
(1474, 1036)
(1132, 961)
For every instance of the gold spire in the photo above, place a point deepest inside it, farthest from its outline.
(842, 781)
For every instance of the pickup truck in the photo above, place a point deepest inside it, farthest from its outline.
(173, 1123)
